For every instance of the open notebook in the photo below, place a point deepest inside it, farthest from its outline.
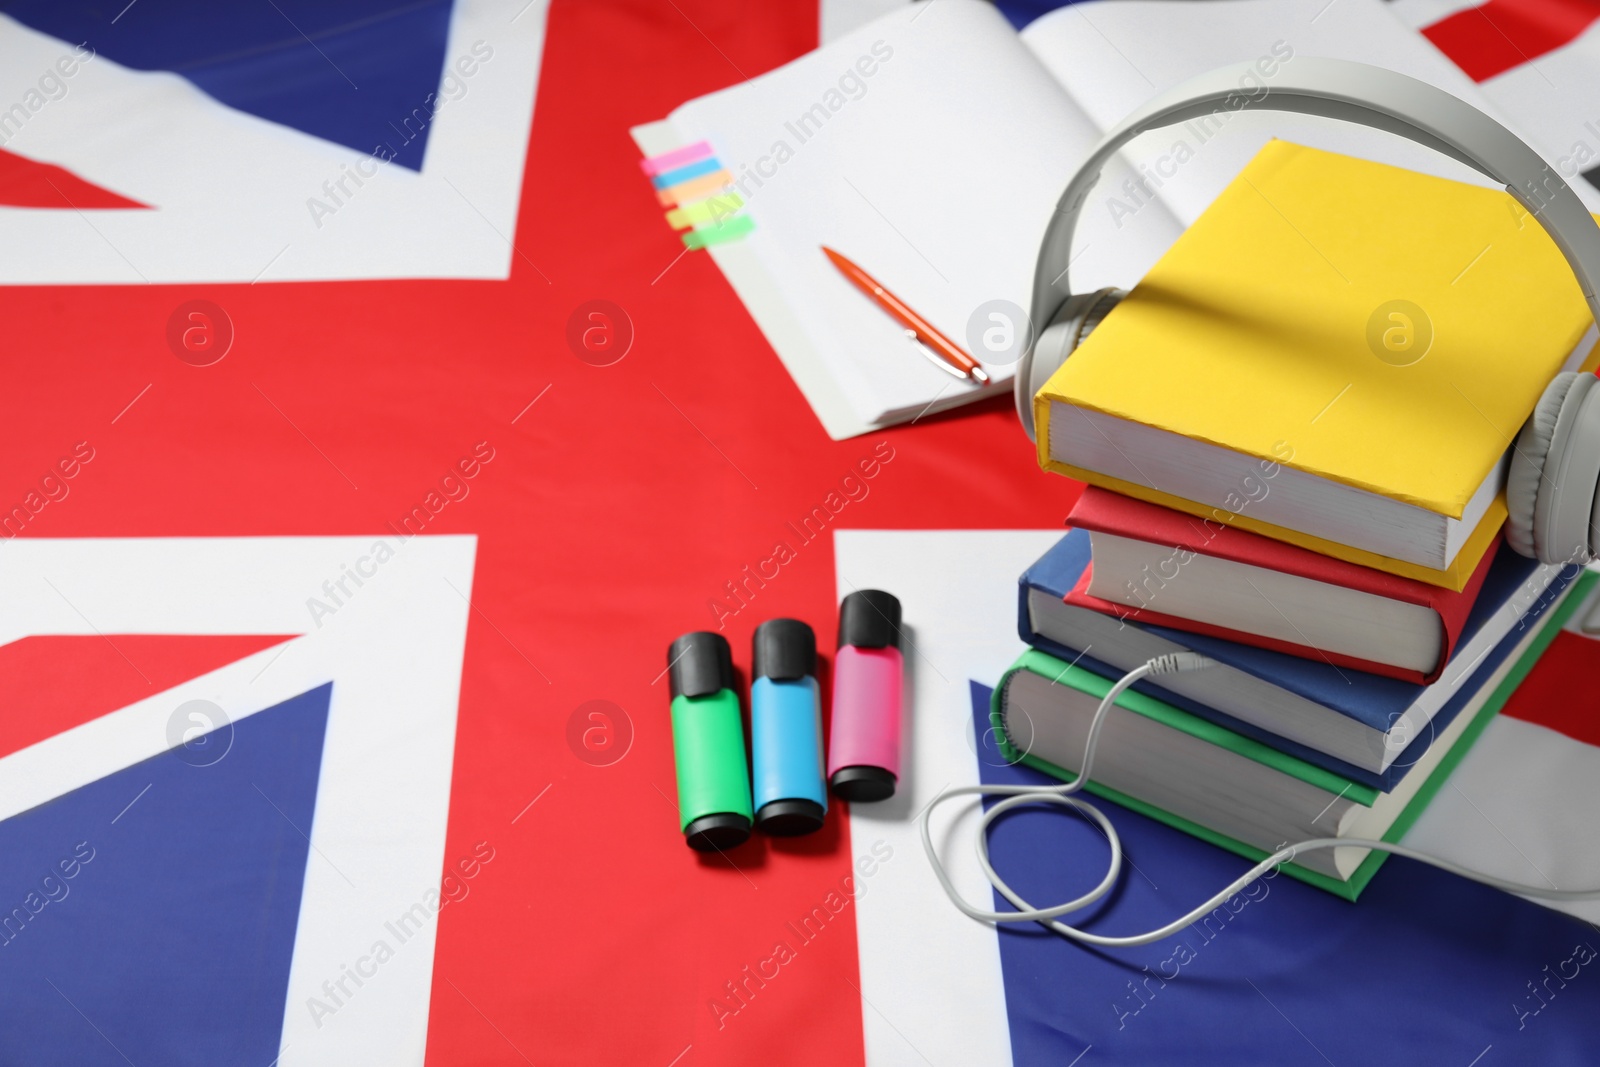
(930, 146)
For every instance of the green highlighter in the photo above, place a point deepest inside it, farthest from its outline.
(708, 743)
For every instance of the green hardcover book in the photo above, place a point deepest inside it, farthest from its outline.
(1229, 789)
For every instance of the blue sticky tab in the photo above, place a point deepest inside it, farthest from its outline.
(668, 179)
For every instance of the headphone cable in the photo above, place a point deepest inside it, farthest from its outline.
(1020, 795)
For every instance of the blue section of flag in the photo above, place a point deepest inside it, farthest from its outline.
(149, 917)
(362, 73)
(1022, 12)
(1427, 968)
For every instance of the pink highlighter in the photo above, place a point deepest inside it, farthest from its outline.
(864, 750)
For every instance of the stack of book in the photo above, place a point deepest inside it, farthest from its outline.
(1300, 475)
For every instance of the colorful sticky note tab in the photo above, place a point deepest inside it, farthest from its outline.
(727, 230)
(695, 189)
(669, 178)
(701, 188)
(675, 158)
(711, 209)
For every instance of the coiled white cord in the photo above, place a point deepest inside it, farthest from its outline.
(1018, 795)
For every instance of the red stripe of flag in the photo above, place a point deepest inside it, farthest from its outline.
(28, 183)
(1494, 37)
(1559, 692)
(57, 681)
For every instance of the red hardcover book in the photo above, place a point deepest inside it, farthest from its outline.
(1163, 567)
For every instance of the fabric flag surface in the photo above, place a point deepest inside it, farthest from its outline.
(337, 582)
(189, 802)
(480, 722)
(181, 142)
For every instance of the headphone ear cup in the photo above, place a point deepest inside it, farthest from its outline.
(1039, 362)
(1555, 474)
(1527, 465)
(1073, 321)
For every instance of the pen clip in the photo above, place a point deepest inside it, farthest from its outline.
(933, 357)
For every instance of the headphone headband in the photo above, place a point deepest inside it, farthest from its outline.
(1338, 89)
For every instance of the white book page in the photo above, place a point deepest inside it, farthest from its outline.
(1114, 56)
(936, 173)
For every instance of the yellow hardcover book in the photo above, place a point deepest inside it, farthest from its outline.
(1338, 353)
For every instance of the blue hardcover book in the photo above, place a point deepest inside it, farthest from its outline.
(1368, 728)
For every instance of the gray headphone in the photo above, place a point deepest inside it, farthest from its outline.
(1552, 484)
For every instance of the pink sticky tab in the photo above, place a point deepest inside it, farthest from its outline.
(676, 158)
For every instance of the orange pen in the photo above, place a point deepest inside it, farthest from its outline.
(953, 358)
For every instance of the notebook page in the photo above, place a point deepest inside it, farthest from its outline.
(936, 173)
(1112, 57)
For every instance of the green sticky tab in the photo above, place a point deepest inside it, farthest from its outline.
(717, 233)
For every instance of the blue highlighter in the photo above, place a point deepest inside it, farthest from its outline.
(791, 796)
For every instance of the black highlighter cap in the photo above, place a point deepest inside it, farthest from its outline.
(862, 784)
(717, 833)
(700, 664)
(870, 618)
(789, 818)
(785, 650)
